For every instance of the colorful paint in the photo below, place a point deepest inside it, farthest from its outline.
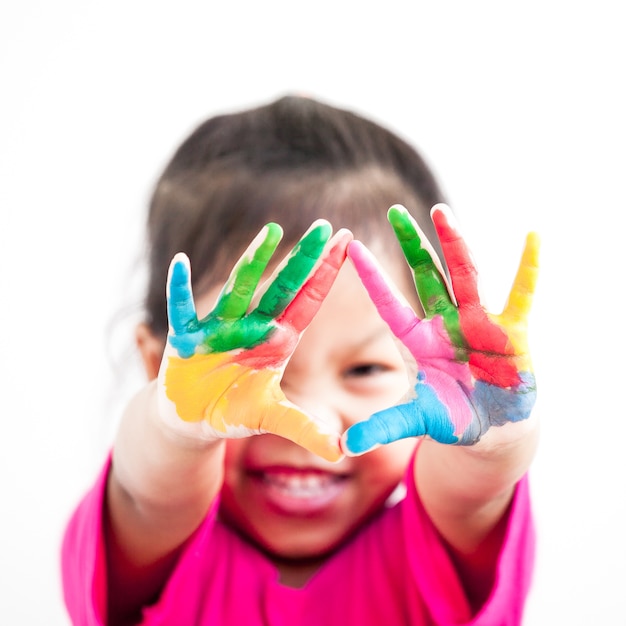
(474, 369)
(226, 368)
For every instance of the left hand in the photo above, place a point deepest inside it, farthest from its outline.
(474, 369)
(220, 375)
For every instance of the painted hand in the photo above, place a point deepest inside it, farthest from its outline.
(220, 376)
(474, 369)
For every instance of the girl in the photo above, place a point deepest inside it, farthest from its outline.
(290, 461)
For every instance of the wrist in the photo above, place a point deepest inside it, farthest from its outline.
(193, 435)
(159, 465)
(507, 441)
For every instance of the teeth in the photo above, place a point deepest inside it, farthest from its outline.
(300, 485)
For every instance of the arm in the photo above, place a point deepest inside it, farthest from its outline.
(160, 487)
(473, 394)
(167, 459)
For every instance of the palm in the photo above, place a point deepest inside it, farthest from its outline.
(224, 371)
(474, 370)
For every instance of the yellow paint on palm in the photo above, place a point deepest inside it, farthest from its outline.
(203, 376)
(251, 399)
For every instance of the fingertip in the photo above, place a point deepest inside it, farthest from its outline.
(328, 448)
(396, 209)
(531, 249)
(179, 269)
(341, 240)
(356, 247)
(272, 232)
(356, 451)
(345, 448)
(320, 221)
(440, 211)
(403, 223)
(339, 247)
(344, 234)
(397, 214)
(533, 238)
(360, 255)
(268, 238)
(335, 457)
(323, 226)
(440, 207)
(180, 258)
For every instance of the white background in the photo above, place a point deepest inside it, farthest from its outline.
(519, 107)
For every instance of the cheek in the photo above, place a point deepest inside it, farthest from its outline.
(235, 489)
(234, 460)
(368, 398)
(386, 466)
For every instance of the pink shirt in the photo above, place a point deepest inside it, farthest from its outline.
(394, 571)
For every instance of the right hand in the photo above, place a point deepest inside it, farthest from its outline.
(220, 376)
(474, 369)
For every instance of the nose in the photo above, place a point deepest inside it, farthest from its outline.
(320, 405)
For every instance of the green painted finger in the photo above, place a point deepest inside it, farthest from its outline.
(292, 273)
(431, 287)
(238, 291)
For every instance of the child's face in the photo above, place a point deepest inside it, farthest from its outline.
(346, 366)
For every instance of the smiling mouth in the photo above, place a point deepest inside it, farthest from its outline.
(300, 492)
(301, 485)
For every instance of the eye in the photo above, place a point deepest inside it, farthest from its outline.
(366, 369)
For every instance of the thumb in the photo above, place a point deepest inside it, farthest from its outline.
(399, 422)
(289, 421)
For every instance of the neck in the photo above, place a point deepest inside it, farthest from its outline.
(297, 573)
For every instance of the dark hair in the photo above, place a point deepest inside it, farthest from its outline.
(290, 161)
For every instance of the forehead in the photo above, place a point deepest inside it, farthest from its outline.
(391, 259)
(387, 253)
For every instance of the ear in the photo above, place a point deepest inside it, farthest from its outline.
(151, 349)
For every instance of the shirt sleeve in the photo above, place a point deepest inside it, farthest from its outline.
(438, 581)
(84, 569)
(83, 565)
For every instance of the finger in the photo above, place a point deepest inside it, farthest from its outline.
(290, 422)
(238, 291)
(523, 289)
(390, 303)
(272, 412)
(307, 302)
(294, 270)
(463, 274)
(381, 428)
(431, 285)
(181, 310)
(413, 419)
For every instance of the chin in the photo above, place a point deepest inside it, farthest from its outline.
(305, 541)
(293, 540)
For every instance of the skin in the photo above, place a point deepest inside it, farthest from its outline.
(474, 369)
(337, 374)
(214, 366)
(295, 499)
(339, 371)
